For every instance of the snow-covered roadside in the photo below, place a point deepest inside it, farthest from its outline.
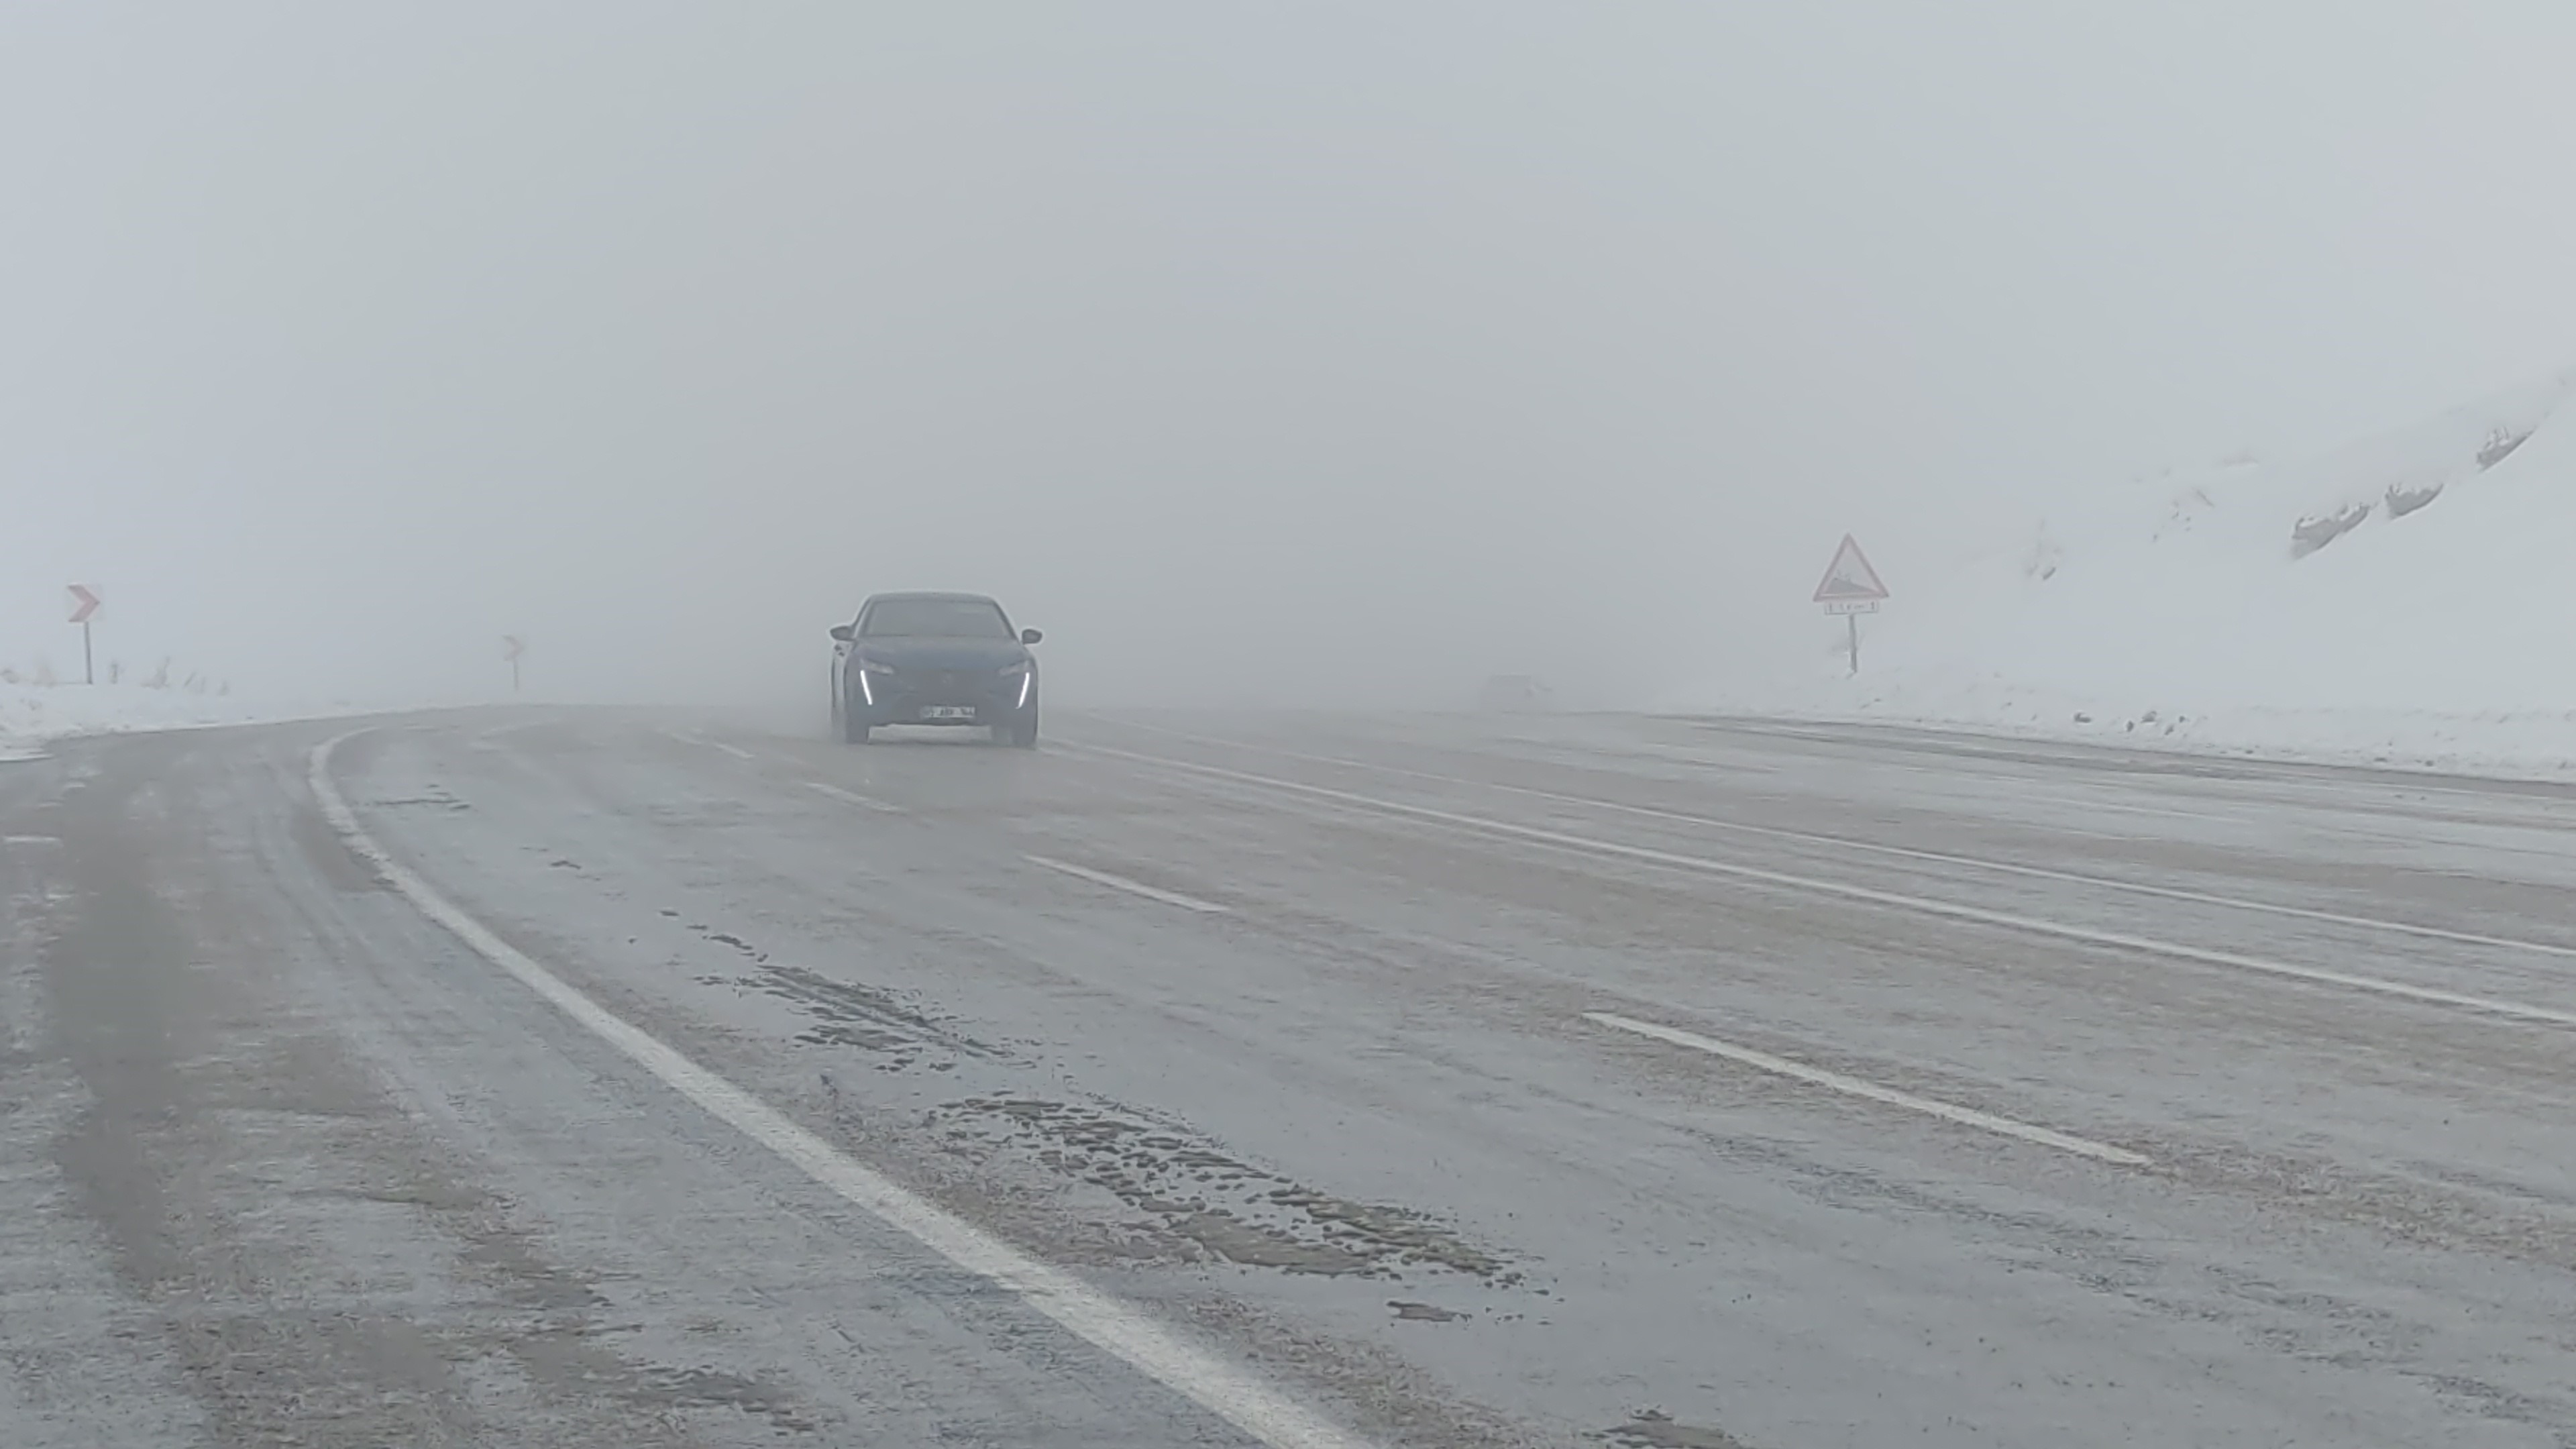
(32, 714)
(2407, 601)
(2503, 744)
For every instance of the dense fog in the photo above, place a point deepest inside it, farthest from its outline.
(1316, 354)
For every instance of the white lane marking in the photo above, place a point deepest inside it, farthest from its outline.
(2088, 807)
(1114, 1327)
(1131, 887)
(853, 797)
(490, 740)
(686, 738)
(1899, 852)
(2032, 925)
(31, 840)
(1854, 1086)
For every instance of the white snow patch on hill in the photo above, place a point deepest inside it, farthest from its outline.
(2410, 599)
(31, 714)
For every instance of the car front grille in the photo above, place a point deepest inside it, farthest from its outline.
(963, 686)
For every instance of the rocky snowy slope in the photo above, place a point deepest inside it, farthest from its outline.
(2409, 599)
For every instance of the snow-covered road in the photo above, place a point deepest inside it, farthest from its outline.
(1230, 1080)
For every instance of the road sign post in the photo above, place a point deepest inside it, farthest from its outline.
(1851, 588)
(84, 604)
(512, 646)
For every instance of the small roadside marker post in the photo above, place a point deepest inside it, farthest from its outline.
(512, 646)
(1851, 588)
(84, 604)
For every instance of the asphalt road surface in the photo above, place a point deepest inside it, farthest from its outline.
(578, 1079)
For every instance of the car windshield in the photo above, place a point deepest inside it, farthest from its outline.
(938, 618)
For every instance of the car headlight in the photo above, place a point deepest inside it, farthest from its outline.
(1015, 670)
(876, 666)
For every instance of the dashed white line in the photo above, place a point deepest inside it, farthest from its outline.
(853, 797)
(2088, 807)
(687, 738)
(1115, 1327)
(1947, 910)
(490, 739)
(1929, 857)
(31, 840)
(1871, 1091)
(1131, 887)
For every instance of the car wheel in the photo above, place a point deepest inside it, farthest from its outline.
(854, 729)
(1024, 735)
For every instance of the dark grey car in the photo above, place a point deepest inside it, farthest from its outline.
(934, 659)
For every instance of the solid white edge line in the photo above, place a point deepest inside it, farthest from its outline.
(853, 797)
(1230, 1393)
(1901, 852)
(1854, 1086)
(2003, 920)
(1131, 887)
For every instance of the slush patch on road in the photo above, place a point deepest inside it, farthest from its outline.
(435, 797)
(1228, 1209)
(847, 1013)
(1655, 1429)
(702, 1388)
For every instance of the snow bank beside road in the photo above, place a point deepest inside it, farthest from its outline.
(32, 714)
(2408, 600)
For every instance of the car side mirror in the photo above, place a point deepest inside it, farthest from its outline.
(1032, 636)
(844, 632)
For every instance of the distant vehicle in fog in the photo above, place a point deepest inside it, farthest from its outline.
(1515, 694)
(948, 660)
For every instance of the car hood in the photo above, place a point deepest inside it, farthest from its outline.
(914, 652)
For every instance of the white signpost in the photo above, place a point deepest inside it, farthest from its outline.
(513, 648)
(1851, 588)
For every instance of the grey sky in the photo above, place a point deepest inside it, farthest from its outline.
(1378, 345)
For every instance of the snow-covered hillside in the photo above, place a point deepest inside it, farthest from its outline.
(2408, 599)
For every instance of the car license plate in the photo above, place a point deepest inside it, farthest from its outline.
(947, 711)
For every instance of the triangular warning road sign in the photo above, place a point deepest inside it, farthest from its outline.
(1850, 579)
